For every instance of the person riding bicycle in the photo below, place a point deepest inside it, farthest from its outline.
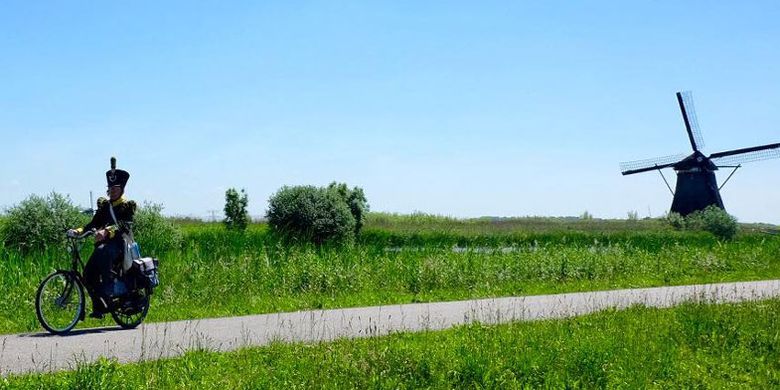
(114, 217)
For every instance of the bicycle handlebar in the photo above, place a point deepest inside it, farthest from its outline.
(83, 235)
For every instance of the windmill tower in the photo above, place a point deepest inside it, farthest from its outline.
(697, 186)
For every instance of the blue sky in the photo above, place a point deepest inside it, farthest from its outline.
(456, 108)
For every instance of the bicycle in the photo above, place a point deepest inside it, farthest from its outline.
(60, 299)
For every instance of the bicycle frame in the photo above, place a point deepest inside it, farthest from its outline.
(76, 265)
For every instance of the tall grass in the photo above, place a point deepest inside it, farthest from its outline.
(691, 346)
(487, 225)
(219, 273)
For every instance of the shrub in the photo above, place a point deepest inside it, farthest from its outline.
(153, 231)
(676, 220)
(40, 222)
(236, 215)
(355, 198)
(714, 220)
(311, 214)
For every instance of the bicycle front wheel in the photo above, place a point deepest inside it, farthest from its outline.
(59, 302)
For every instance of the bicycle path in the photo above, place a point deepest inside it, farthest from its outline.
(41, 352)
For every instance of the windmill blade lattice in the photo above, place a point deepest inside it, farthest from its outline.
(738, 157)
(693, 120)
(630, 167)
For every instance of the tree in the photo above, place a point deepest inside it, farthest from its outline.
(236, 215)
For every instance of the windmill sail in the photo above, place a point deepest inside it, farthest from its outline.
(697, 187)
(685, 100)
(741, 156)
(632, 167)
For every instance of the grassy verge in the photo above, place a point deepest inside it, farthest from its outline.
(218, 273)
(694, 345)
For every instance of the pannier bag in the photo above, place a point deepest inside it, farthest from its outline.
(147, 270)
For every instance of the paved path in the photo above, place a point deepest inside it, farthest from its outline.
(41, 352)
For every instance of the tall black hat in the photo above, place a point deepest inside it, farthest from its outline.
(116, 177)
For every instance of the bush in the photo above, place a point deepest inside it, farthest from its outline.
(40, 222)
(676, 220)
(153, 231)
(355, 200)
(712, 219)
(315, 214)
(236, 216)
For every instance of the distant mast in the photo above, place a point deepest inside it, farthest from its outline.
(90, 210)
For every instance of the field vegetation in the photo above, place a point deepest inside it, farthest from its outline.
(691, 346)
(209, 271)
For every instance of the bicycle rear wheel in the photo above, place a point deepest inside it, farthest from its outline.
(59, 302)
(131, 311)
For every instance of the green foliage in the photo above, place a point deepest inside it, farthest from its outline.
(425, 259)
(236, 214)
(389, 223)
(40, 222)
(676, 220)
(633, 216)
(712, 219)
(318, 215)
(356, 200)
(202, 275)
(691, 346)
(155, 233)
(586, 216)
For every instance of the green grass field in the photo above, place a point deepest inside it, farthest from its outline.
(691, 346)
(402, 259)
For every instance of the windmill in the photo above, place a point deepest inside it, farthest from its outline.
(697, 186)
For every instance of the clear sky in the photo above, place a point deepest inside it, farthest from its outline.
(458, 108)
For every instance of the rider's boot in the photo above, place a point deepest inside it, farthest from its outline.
(97, 315)
(99, 305)
(99, 308)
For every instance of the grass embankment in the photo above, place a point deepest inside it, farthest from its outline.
(217, 273)
(694, 345)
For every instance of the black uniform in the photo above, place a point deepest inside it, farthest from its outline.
(97, 272)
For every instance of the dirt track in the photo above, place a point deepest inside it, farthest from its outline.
(22, 353)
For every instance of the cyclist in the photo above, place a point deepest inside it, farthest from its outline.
(114, 217)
